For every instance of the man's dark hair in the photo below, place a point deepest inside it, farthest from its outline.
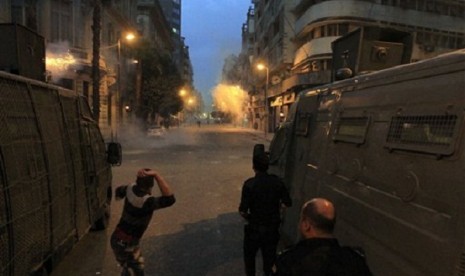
(260, 162)
(319, 221)
(145, 182)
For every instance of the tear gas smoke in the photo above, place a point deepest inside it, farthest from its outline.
(58, 60)
(230, 99)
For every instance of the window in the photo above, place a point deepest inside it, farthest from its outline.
(343, 29)
(276, 27)
(460, 43)
(61, 21)
(66, 83)
(420, 38)
(332, 30)
(302, 124)
(328, 64)
(429, 133)
(457, 11)
(452, 42)
(111, 38)
(351, 129)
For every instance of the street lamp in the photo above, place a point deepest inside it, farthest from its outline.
(262, 66)
(130, 36)
(119, 103)
(182, 93)
(191, 101)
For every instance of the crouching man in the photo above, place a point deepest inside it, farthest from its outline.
(139, 205)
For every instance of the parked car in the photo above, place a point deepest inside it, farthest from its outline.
(155, 131)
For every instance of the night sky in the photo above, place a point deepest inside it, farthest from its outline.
(212, 29)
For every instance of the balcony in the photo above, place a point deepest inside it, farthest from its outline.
(315, 47)
(367, 10)
(306, 80)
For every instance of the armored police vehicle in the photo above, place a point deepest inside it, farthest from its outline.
(55, 181)
(388, 149)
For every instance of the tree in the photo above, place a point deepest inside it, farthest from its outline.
(161, 82)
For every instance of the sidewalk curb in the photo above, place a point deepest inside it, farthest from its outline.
(260, 134)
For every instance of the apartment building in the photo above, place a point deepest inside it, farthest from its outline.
(172, 11)
(273, 48)
(303, 56)
(186, 68)
(246, 79)
(67, 28)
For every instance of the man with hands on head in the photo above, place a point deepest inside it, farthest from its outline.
(139, 205)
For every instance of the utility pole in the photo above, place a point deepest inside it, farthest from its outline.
(96, 28)
(262, 66)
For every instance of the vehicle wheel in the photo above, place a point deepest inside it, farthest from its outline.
(104, 220)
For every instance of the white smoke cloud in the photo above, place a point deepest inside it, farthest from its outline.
(58, 60)
(231, 99)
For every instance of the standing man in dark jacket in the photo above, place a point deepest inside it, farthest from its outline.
(139, 206)
(261, 202)
(319, 253)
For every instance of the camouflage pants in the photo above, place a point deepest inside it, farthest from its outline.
(128, 255)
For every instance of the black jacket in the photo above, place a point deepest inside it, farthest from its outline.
(261, 199)
(321, 257)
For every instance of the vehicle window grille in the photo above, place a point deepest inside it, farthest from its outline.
(351, 129)
(302, 123)
(428, 133)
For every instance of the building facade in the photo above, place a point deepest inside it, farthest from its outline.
(273, 48)
(181, 56)
(68, 30)
(247, 80)
(294, 38)
(172, 11)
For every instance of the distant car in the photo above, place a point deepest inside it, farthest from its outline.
(155, 131)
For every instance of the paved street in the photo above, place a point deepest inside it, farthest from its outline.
(202, 233)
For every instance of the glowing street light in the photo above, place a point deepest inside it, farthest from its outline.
(128, 37)
(262, 66)
(182, 93)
